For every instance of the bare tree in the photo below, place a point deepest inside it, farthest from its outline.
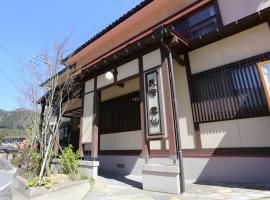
(57, 93)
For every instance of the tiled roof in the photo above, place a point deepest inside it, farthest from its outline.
(110, 27)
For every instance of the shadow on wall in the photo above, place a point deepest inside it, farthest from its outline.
(229, 163)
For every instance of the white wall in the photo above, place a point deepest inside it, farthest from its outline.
(251, 132)
(129, 69)
(131, 140)
(130, 86)
(243, 45)
(152, 59)
(232, 10)
(184, 107)
(102, 81)
(87, 120)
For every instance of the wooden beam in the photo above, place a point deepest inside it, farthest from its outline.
(168, 103)
(95, 137)
(145, 144)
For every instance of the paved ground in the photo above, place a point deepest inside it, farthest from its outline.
(129, 188)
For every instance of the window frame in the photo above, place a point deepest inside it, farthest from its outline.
(266, 91)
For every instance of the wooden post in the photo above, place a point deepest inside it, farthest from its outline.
(145, 144)
(168, 105)
(94, 144)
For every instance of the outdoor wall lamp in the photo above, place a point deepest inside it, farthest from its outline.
(109, 75)
(112, 75)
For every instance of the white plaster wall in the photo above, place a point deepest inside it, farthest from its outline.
(115, 91)
(129, 69)
(232, 10)
(102, 81)
(255, 132)
(184, 107)
(155, 145)
(220, 134)
(87, 120)
(89, 85)
(251, 132)
(152, 59)
(240, 46)
(121, 141)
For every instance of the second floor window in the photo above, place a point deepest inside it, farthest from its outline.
(202, 22)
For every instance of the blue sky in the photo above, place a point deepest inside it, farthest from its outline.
(27, 27)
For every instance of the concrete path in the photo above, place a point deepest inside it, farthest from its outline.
(129, 188)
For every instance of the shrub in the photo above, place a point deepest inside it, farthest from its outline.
(69, 161)
(28, 160)
(45, 181)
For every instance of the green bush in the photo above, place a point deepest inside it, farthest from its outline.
(69, 161)
(45, 181)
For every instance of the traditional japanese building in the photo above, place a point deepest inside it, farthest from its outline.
(177, 90)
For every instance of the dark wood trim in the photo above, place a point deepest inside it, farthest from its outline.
(136, 55)
(89, 92)
(145, 143)
(159, 153)
(228, 152)
(218, 13)
(121, 152)
(95, 132)
(81, 122)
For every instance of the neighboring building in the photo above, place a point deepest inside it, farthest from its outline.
(12, 141)
(178, 74)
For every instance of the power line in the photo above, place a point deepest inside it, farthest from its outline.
(10, 54)
(3, 73)
(9, 79)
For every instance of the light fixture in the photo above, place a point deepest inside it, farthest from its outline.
(109, 75)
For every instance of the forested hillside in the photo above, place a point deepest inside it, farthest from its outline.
(11, 122)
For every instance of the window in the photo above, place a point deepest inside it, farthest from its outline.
(120, 114)
(64, 135)
(264, 71)
(229, 92)
(196, 25)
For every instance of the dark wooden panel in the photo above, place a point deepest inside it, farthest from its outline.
(120, 114)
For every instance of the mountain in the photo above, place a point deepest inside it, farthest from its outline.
(11, 122)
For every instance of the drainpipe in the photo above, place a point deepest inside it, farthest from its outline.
(175, 113)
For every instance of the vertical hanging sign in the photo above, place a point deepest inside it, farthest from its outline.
(152, 99)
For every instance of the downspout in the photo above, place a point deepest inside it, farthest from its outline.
(175, 114)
